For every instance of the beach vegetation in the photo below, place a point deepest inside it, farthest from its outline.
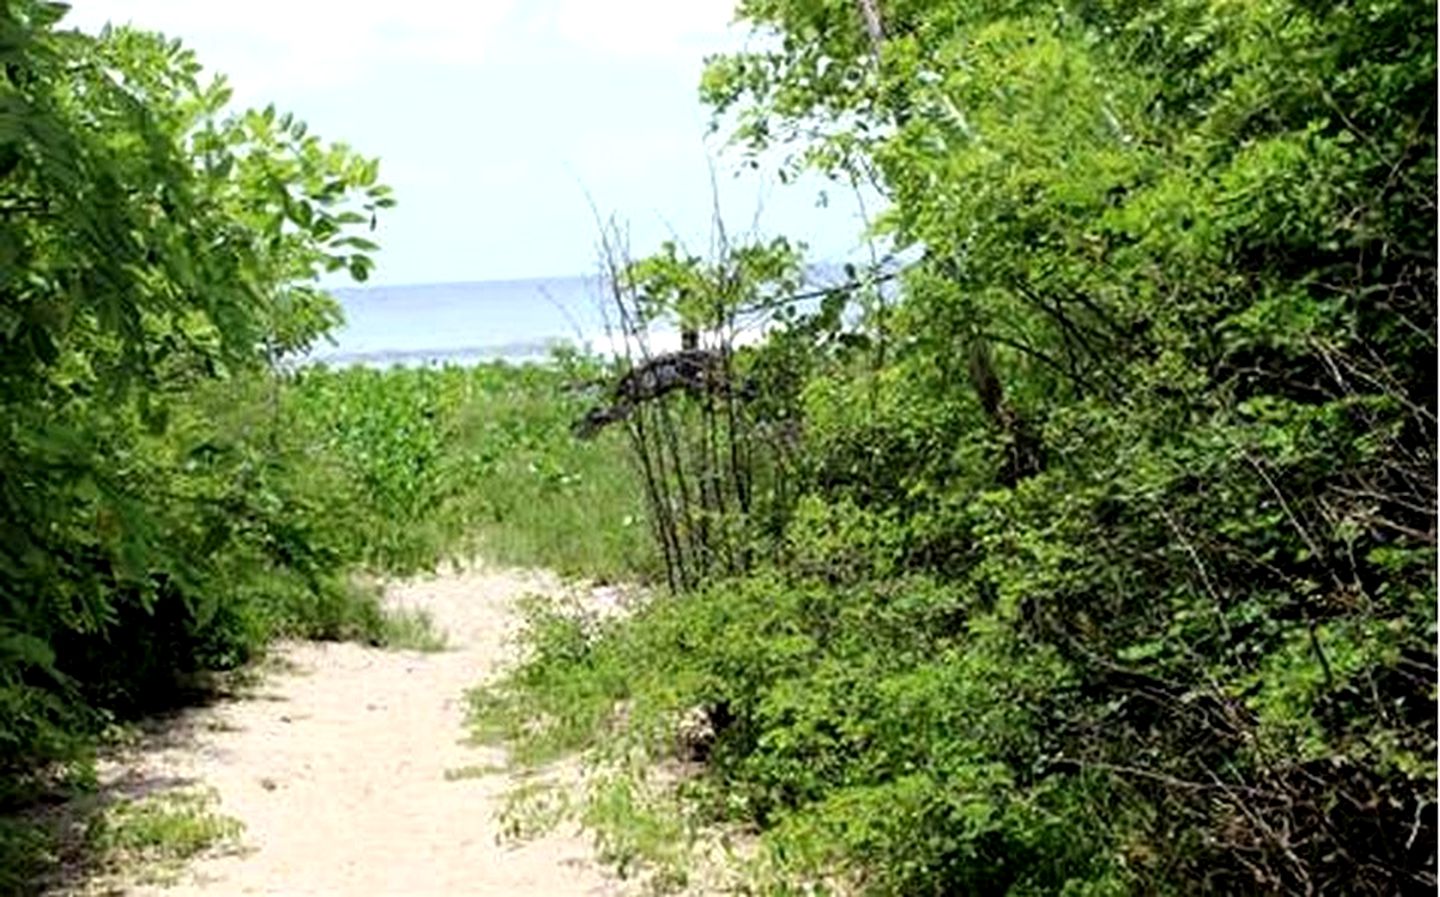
(150, 838)
(1106, 563)
(175, 492)
(1082, 543)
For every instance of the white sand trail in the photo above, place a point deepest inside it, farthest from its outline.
(337, 768)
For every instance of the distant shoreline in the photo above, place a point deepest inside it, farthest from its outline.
(520, 352)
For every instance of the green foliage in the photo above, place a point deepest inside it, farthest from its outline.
(1107, 562)
(562, 696)
(427, 462)
(638, 836)
(412, 630)
(288, 487)
(846, 727)
(150, 838)
(1098, 560)
(171, 498)
(157, 254)
(703, 453)
(26, 849)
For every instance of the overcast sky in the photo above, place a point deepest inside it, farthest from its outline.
(494, 118)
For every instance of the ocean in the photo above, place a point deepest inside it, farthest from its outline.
(513, 320)
(509, 320)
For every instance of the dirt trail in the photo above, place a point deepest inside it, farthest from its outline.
(337, 768)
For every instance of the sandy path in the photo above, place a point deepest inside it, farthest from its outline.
(337, 768)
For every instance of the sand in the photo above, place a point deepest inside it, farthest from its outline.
(336, 765)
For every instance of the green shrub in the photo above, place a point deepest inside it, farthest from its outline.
(1106, 561)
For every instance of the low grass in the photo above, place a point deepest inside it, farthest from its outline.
(568, 700)
(641, 831)
(643, 828)
(542, 710)
(150, 838)
(535, 806)
(537, 495)
(411, 629)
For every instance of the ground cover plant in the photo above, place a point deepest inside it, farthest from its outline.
(158, 833)
(440, 461)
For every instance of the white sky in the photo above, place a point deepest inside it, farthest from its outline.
(494, 118)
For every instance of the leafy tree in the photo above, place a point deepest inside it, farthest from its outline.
(152, 246)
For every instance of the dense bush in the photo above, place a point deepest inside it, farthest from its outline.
(1109, 562)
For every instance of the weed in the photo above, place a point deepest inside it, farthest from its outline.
(153, 836)
(411, 629)
(474, 771)
(535, 807)
(544, 711)
(639, 832)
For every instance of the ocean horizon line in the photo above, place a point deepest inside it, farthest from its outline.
(818, 269)
(657, 342)
(355, 289)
